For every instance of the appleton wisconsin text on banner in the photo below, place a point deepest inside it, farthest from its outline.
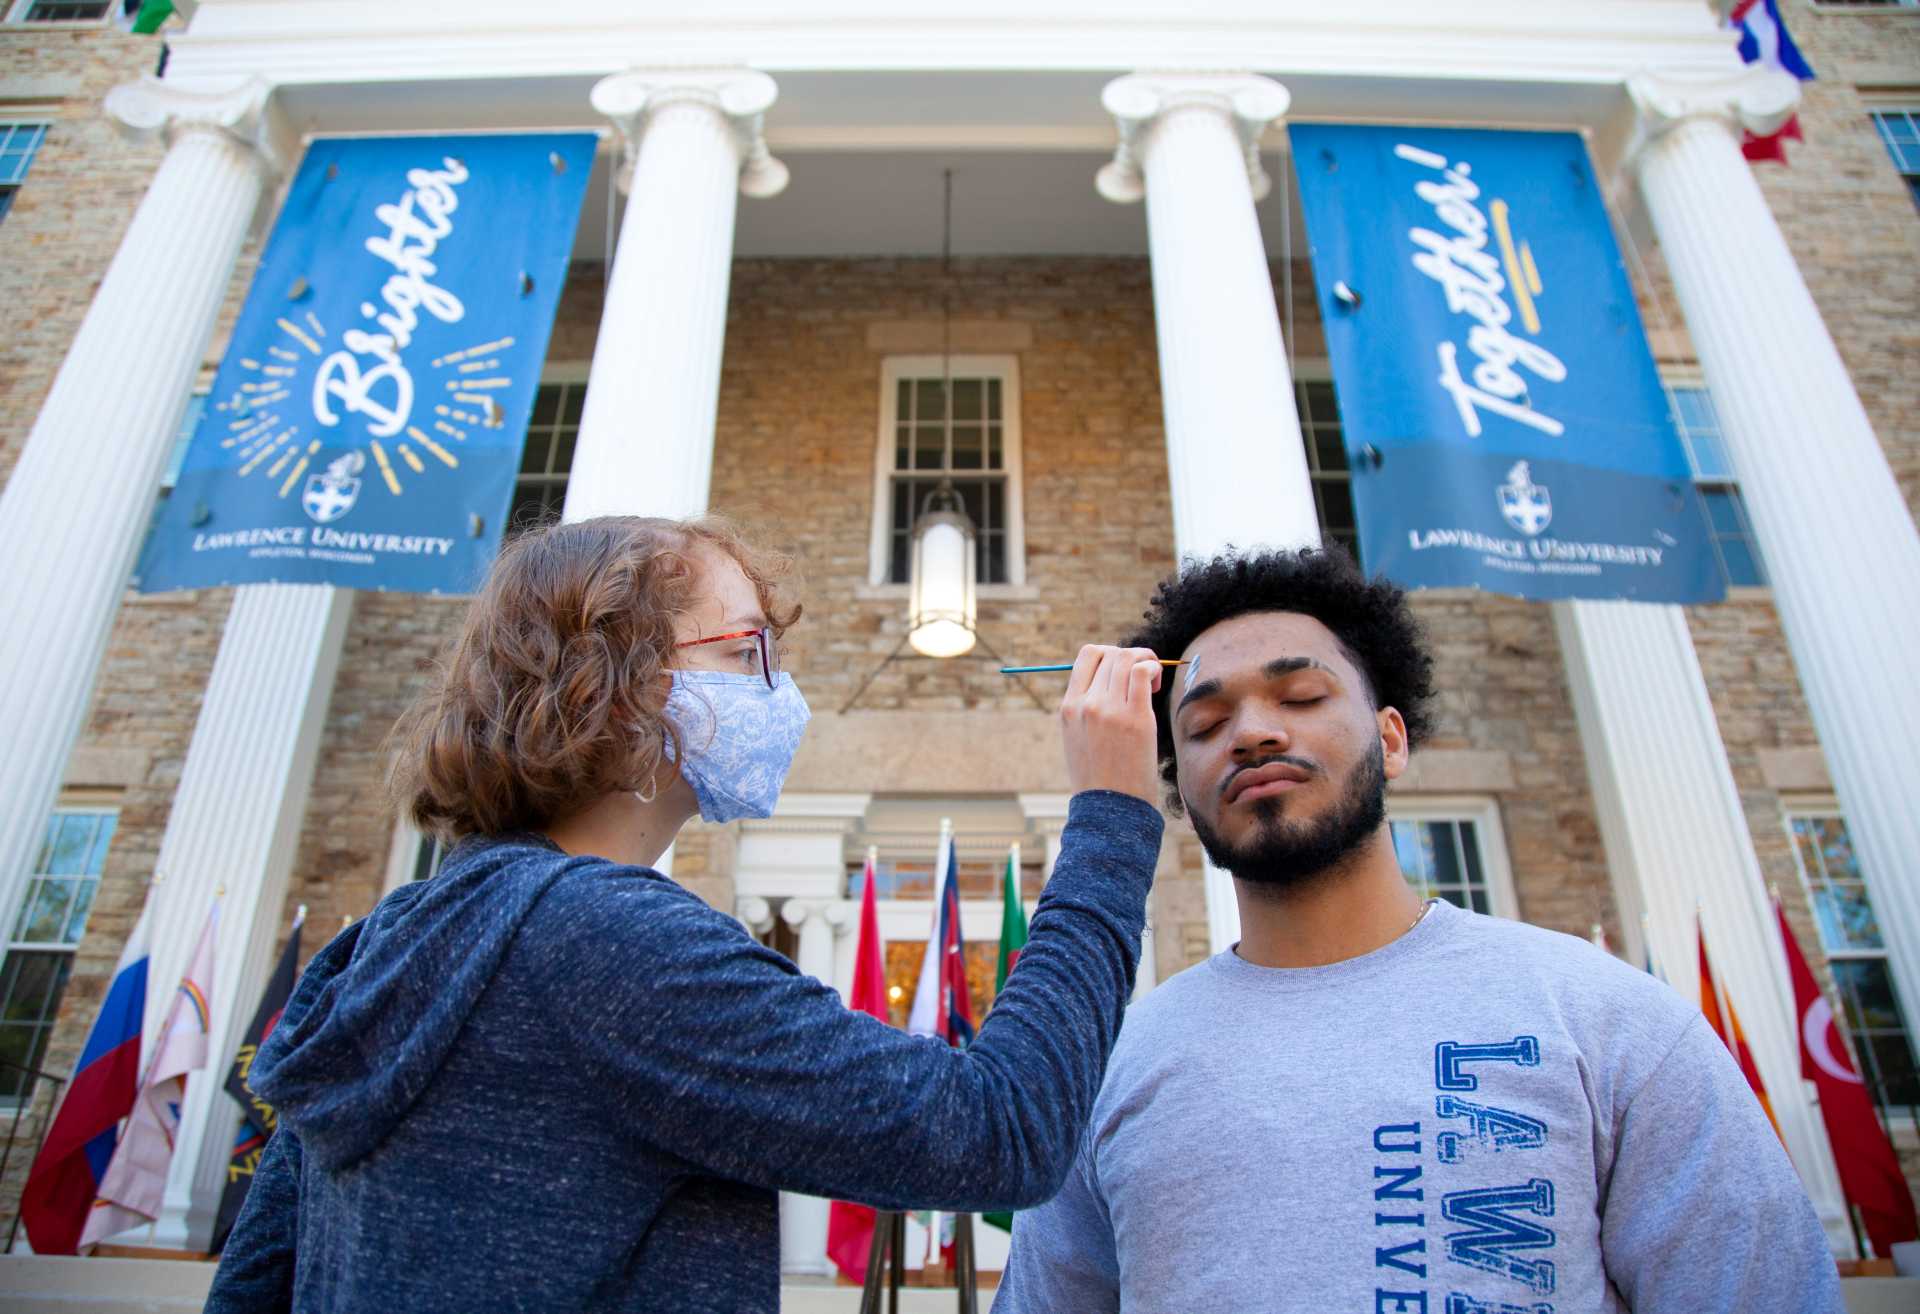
(1503, 415)
(366, 425)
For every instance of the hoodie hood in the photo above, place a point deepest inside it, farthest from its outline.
(378, 1009)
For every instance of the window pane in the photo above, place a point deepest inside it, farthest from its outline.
(902, 446)
(993, 400)
(1894, 1067)
(45, 914)
(969, 447)
(929, 402)
(1743, 566)
(996, 455)
(77, 913)
(1866, 986)
(32, 984)
(102, 837)
(1720, 510)
(573, 403)
(563, 445)
(533, 457)
(72, 839)
(930, 447)
(968, 396)
(546, 403)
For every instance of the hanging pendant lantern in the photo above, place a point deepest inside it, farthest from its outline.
(940, 591)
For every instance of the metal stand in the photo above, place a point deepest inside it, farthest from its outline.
(890, 1240)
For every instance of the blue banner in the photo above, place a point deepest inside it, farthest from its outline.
(365, 427)
(1503, 416)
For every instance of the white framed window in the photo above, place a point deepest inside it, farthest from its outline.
(1452, 848)
(41, 943)
(1838, 891)
(1899, 129)
(19, 143)
(1332, 474)
(1734, 543)
(546, 457)
(60, 11)
(974, 443)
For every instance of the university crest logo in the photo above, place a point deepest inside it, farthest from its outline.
(330, 495)
(1525, 504)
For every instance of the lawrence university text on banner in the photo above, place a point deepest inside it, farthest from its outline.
(366, 424)
(1504, 418)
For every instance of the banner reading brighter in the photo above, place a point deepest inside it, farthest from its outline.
(1503, 416)
(365, 427)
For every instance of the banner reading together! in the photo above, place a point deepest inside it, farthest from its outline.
(1504, 419)
(365, 427)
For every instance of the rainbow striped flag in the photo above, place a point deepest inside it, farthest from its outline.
(136, 1181)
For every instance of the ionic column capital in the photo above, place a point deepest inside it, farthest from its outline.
(755, 913)
(241, 110)
(741, 96)
(835, 914)
(1249, 103)
(1758, 100)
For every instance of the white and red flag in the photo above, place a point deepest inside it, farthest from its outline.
(850, 1226)
(136, 1181)
(1764, 40)
(1870, 1175)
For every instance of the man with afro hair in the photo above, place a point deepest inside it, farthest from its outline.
(1374, 1102)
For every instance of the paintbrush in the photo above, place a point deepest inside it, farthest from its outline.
(1068, 666)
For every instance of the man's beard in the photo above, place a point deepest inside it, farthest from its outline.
(1284, 855)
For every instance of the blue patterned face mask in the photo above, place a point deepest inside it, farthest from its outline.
(739, 738)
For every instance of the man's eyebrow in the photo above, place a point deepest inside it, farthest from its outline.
(1205, 689)
(1273, 670)
(1280, 666)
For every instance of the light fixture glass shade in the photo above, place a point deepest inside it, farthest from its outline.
(940, 605)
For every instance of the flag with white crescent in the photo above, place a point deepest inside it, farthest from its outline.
(1869, 1172)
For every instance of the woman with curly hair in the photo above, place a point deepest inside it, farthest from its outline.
(550, 1078)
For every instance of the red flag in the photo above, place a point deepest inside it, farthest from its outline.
(1731, 1035)
(1869, 1173)
(850, 1226)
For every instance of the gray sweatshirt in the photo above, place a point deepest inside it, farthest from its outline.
(1482, 1117)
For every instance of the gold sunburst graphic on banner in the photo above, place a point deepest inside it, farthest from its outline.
(264, 441)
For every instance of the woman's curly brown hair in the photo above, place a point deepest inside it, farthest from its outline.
(553, 694)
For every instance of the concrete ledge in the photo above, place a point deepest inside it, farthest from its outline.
(1880, 1295)
(1795, 770)
(918, 336)
(119, 768)
(63, 1284)
(1456, 771)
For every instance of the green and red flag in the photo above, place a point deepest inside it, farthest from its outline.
(1013, 921)
(1013, 938)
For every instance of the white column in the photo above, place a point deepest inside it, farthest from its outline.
(234, 830)
(646, 435)
(1235, 460)
(1678, 845)
(80, 497)
(803, 1218)
(1838, 539)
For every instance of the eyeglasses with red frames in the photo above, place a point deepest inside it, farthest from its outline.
(768, 645)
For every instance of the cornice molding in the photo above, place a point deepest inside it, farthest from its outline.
(742, 96)
(1250, 103)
